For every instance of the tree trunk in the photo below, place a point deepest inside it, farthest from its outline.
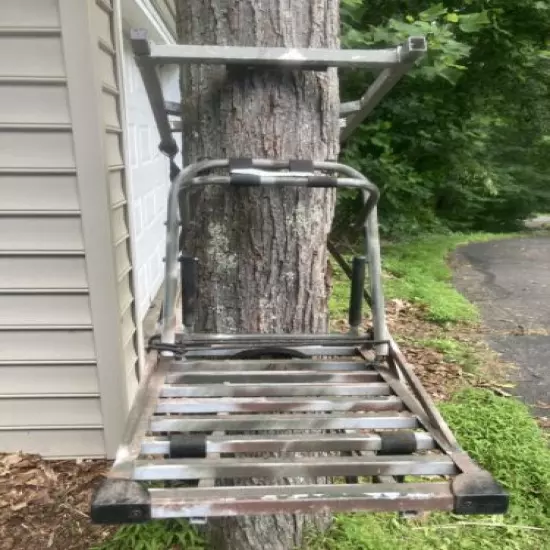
(262, 253)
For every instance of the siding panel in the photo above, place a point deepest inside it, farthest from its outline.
(45, 411)
(36, 149)
(54, 443)
(29, 13)
(29, 234)
(34, 104)
(44, 310)
(32, 379)
(40, 192)
(107, 69)
(43, 345)
(45, 272)
(110, 110)
(38, 56)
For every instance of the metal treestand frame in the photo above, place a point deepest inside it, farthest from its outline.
(210, 398)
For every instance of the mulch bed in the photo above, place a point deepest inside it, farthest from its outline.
(45, 504)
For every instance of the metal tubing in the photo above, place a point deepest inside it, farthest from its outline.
(186, 405)
(243, 422)
(151, 81)
(270, 364)
(276, 468)
(309, 351)
(282, 338)
(286, 443)
(356, 294)
(307, 499)
(183, 182)
(413, 49)
(372, 250)
(273, 377)
(293, 58)
(288, 389)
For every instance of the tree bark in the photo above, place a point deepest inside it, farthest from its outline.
(262, 253)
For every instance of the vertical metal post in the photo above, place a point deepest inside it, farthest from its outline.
(372, 249)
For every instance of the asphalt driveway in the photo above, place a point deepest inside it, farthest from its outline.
(509, 280)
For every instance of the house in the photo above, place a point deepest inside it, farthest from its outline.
(82, 206)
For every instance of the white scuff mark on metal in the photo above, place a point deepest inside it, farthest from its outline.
(293, 54)
(269, 497)
(122, 455)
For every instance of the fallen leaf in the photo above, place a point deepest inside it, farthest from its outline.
(18, 506)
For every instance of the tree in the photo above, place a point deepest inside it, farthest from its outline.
(262, 254)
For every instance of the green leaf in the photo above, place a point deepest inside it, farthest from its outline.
(452, 17)
(431, 14)
(474, 22)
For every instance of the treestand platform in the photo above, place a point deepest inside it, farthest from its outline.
(342, 415)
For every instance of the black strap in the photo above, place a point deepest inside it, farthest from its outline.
(322, 181)
(239, 163)
(245, 180)
(298, 165)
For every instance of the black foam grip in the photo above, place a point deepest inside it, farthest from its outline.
(356, 295)
(189, 287)
(187, 446)
(245, 180)
(322, 181)
(297, 165)
(240, 163)
(397, 443)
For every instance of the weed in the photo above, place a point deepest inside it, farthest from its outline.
(155, 535)
(454, 351)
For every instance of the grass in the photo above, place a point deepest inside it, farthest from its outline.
(454, 351)
(417, 271)
(498, 432)
(508, 443)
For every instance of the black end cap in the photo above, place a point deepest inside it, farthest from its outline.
(187, 446)
(478, 493)
(119, 501)
(397, 443)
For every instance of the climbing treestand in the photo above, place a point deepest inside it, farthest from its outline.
(213, 406)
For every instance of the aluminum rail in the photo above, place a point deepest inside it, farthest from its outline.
(393, 63)
(190, 178)
(293, 58)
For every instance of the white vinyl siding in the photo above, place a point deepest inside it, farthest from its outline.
(49, 395)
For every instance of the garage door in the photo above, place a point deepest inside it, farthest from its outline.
(148, 179)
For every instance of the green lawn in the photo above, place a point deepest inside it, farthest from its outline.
(496, 431)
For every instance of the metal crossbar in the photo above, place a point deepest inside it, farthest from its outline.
(211, 406)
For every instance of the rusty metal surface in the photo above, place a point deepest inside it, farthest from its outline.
(275, 404)
(225, 501)
(277, 468)
(270, 390)
(241, 406)
(297, 421)
(271, 364)
(272, 377)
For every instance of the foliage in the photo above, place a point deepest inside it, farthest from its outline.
(155, 535)
(463, 142)
(507, 442)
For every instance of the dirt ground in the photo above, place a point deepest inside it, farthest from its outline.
(45, 504)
